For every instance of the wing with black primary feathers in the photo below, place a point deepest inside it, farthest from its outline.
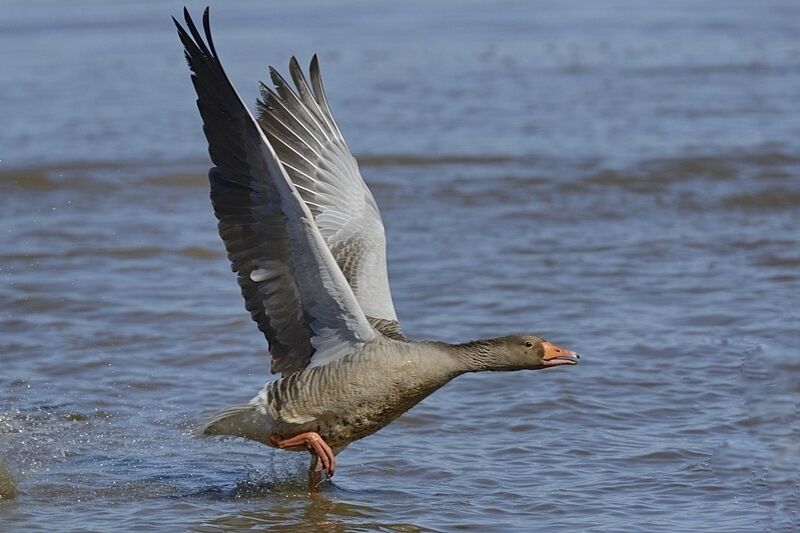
(292, 285)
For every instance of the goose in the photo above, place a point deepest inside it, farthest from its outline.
(304, 236)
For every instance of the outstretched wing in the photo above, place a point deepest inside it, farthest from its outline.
(291, 283)
(309, 144)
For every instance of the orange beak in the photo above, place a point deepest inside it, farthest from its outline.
(556, 355)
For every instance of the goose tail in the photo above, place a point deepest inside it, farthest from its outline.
(237, 421)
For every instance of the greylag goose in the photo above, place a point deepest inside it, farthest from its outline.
(305, 238)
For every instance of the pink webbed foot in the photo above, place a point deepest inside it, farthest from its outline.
(313, 443)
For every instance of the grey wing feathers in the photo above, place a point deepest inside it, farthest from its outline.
(291, 284)
(388, 328)
(299, 124)
(252, 229)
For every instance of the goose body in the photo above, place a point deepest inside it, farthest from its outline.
(347, 399)
(305, 237)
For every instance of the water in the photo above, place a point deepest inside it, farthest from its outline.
(622, 178)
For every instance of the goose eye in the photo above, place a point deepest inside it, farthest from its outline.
(528, 344)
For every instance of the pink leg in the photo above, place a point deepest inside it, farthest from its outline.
(314, 443)
(314, 473)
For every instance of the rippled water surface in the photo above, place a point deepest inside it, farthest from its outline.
(623, 178)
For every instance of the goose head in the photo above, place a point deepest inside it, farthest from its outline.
(533, 352)
(515, 352)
